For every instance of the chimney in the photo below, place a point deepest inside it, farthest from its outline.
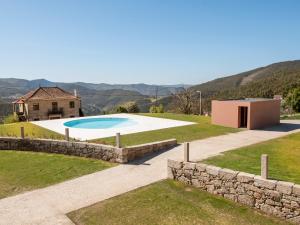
(75, 92)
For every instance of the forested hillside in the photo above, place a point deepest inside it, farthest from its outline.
(267, 81)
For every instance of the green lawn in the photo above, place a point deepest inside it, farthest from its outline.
(284, 154)
(293, 117)
(31, 130)
(23, 171)
(170, 203)
(202, 129)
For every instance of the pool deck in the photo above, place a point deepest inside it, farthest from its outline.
(142, 123)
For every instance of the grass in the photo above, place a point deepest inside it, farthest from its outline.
(23, 171)
(284, 154)
(170, 203)
(291, 117)
(31, 130)
(202, 129)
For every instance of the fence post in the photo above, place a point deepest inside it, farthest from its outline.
(118, 140)
(264, 166)
(22, 133)
(186, 150)
(67, 134)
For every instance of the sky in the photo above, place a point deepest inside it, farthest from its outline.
(144, 41)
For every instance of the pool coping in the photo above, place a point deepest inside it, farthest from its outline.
(143, 123)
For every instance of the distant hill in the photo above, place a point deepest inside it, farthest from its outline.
(144, 89)
(266, 81)
(96, 98)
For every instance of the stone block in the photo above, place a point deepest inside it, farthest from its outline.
(174, 164)
(267, 209)
(230, 196)
(245, 177)
(284, 187)
(213, 170)
(246, 200)
(295, 220)
(201, 167)
(260, 182)
(189, 166)
(170, 173)
(296, 189)
(210, 188)
(227, 174)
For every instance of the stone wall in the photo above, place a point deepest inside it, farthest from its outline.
(277, 198)
(84, 149)
(138, 151)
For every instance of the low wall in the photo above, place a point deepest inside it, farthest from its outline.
(277, 198)
(138, 151)
(84, 149)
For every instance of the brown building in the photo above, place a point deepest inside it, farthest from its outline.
(252, 113)
(47, 103)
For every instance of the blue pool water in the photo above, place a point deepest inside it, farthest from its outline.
(99, 123)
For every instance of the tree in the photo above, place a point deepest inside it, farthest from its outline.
(133, 108)
(121, 109)
(292, 100)
(156, 109)
(184, 101)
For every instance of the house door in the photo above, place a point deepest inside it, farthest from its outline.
(243, 116)
(54, 107)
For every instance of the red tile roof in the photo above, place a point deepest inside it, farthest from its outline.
(48, 93)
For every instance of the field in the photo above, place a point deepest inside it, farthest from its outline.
(284, 154)
(202, 129)
(170, 203)
(24, 171)
(31, 130)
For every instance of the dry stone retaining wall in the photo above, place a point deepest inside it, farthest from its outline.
(84, 149)
(277, 198)
(138, 151)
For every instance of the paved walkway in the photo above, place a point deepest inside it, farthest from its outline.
(49, 205)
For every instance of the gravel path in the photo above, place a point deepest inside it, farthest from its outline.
(49, 205)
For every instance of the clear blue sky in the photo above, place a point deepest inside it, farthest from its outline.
(150, 41)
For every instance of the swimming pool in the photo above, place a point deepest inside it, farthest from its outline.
(100, 123)
(93, 127)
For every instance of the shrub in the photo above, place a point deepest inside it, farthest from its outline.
(121, 109)
(156, 109)
(133, 108)
(10, 119)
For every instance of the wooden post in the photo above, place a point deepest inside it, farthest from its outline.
(67, 134)
(264, 166)
(186, 150)
(22, 133)
(118, 140)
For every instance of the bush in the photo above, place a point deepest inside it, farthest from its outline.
(133, 108)
(121, 109)
(10, 119)
(156, 109)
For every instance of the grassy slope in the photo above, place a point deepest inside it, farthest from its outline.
(31, 130)
(284, 154)
(170, 203)
(202, 129)
(23, 171)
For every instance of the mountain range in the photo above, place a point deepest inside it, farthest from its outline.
(96, 98)
(274, 79)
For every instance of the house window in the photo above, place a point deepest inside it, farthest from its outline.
(36, 106)
(72, 105)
